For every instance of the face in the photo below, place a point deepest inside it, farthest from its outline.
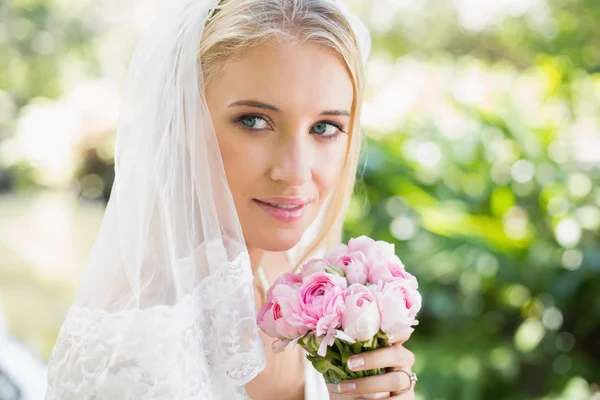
(281, 112)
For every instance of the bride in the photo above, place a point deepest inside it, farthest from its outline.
(235, 159)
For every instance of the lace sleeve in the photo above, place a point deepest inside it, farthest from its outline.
(115, 356)
(158, 353)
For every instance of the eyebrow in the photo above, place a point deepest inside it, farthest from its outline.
(260, 104)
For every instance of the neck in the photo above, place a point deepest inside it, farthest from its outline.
(257, 258)
(274, 262)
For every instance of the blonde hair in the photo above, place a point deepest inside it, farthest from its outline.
(241, 24)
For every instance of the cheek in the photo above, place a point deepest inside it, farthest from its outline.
(328, 173)
(242, 168)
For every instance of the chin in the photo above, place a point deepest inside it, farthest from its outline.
(279, 240)
(275, 237)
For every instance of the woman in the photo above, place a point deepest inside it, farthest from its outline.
(236, 153)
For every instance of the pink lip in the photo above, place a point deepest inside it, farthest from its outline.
(281, 214)
(287, 201)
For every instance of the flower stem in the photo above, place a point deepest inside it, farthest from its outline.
(337, 370)
(343, 351)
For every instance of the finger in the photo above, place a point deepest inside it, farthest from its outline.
(387, 357)
(412, 377)
(388, 382)
(377, 396)
(400, 337)
(404, 396)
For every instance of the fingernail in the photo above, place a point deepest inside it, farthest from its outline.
(345, 387)
(355, 362)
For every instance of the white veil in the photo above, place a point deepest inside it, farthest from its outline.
(166, 307)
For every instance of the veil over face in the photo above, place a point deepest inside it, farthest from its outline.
(166, 307)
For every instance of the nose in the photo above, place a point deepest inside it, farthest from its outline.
(292, 160)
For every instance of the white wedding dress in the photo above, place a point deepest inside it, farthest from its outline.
(167, 373)
(179, 375)
(314, 384)
(116, 356)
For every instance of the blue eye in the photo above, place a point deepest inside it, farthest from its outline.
(327, 130)
(324, 129)
(253, 122)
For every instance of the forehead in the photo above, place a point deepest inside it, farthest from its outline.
(289, 74)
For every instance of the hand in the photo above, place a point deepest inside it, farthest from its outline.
(394, 358)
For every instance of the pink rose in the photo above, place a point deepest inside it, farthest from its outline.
(266, 319)
(373, 250)
(356, 272)
(343, 261)
(398, 304)
(276, 317)
(338, 251)
(313, 265)
(398, 272)
(388, 271)
(287, 279)
(287, 299)
(352, 264)
(361, 318)
(374, 255)
(321, 300)
(379, 272)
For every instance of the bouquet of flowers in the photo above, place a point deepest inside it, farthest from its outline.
(357, 298)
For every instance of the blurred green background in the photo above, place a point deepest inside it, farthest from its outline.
(482, 165)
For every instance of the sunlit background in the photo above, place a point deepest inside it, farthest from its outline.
(483, 165)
